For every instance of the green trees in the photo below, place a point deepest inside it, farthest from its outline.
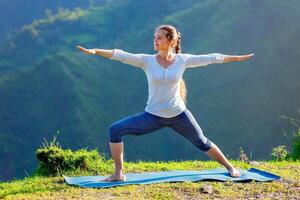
(296, 146)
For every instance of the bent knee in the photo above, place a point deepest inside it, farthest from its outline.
(205, 146)
(115, 133)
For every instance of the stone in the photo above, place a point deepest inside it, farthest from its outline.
(207, 189)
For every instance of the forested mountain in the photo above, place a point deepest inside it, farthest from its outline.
(47, 85)
(16, 13)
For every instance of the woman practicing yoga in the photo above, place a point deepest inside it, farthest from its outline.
(166, 96)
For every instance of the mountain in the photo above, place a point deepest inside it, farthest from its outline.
(47, 85)
(19, 13)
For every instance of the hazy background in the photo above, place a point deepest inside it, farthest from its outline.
(47, 85)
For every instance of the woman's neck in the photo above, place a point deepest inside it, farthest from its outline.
(166, 55)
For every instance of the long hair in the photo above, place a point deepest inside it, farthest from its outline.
(173, 34)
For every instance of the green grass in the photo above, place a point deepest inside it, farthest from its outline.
(38, 187)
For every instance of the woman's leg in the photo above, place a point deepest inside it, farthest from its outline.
(186, 125)
(117, 150)
(215, 153)
(138, 124)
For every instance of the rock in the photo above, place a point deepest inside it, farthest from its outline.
(207, 189)
(254, 163)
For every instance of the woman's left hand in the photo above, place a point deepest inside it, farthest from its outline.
(244, 57)
(234, 58)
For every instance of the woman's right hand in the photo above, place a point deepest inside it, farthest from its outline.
(87, 51)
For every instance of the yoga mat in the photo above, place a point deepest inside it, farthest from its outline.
(219, 174)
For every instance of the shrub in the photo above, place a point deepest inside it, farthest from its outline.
(53, 160)
(242, 155)
(280, 153)
(295, 155)
(296, 146)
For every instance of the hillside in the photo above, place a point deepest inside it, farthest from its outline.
(55, 188)
(47, 85)
(19, 13)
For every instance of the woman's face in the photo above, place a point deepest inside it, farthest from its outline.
(160, 41)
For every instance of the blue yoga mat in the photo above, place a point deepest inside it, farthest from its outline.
(219, 174)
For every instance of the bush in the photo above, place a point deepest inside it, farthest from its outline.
(296, 146)
(295, 155)
(243, 156)
(280, 153)
(53, 160)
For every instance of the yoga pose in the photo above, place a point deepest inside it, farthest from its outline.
(166, 105)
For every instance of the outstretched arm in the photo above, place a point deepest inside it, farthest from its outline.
(206, 59)
(117, 54)
(234, 58)
(101, 52)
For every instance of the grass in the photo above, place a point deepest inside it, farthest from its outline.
(38, 187)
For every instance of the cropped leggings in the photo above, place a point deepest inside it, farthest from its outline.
(144, 122)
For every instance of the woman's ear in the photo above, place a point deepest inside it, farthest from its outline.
(173, 45)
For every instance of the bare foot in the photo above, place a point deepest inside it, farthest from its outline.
(234, 172)
(115, 177)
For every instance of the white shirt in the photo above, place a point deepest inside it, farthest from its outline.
(164, 84)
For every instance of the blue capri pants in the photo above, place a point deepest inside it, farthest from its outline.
(144, 122)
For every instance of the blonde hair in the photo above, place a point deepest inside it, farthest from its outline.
(183, 90)
(173, 34)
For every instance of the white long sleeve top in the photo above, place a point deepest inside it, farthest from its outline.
(164, 98)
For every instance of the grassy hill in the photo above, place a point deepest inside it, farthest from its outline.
(55, 188)
(47, 85)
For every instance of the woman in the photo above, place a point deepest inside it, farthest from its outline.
(166, 96)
